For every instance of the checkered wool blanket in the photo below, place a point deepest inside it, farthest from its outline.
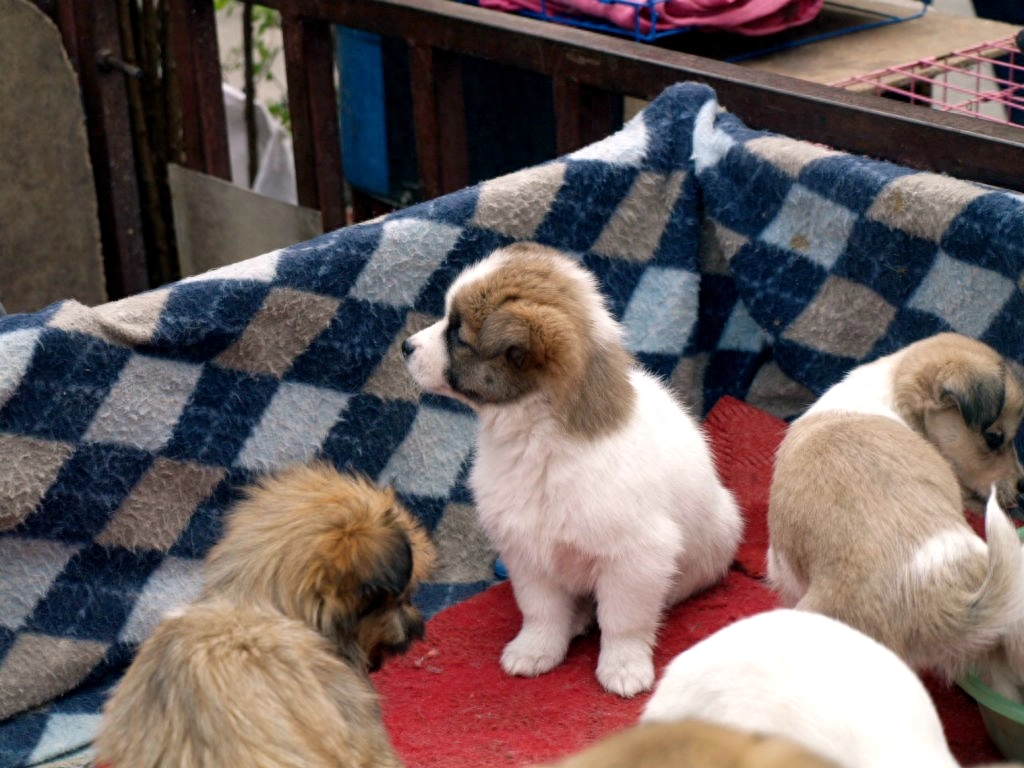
(740, 263)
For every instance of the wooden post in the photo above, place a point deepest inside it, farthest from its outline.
(89, 29)
(312, 99)
(197, 61)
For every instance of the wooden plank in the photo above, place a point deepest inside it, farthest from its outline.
(312, 101)
(93, 28)
(583, 114)
(601, 114)
(424, 115)
(450, 107)
(566, 95)
(298, 107)
(323, 106)
(63, 14)
(197, 61)
(909, 134)
(439, 113)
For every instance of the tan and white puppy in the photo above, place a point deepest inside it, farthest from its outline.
(866, 507)
(592, 482)
(811, 679)
(309, 589)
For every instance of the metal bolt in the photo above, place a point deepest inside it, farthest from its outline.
(107, 62)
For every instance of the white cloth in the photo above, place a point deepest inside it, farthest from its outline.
(276, 175)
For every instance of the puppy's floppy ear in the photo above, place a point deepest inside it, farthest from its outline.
(354, 569)
(978, 392)
(530, 335)
(509, 332)
(391, 574)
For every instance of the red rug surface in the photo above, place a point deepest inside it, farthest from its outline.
(448, 703)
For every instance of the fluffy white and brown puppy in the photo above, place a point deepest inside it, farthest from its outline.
(308, 590)
(809, 678)
(866, 508)
(592, 482)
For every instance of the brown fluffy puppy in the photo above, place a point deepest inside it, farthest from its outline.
(866, 508)
(225, 685)
(692, 744)
(309, 589)
(333, 551)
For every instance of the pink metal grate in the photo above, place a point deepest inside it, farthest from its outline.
(985, 81)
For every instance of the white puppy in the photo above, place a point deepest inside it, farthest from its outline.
(809, 678)
(866, 508)
(592, 482)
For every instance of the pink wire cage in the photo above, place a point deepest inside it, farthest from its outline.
(985, 81)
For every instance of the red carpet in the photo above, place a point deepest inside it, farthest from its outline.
(448, 703)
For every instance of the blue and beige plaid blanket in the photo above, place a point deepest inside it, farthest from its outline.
(740, 263)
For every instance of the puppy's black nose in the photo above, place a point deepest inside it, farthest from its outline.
(1020, 487)
(407, 348)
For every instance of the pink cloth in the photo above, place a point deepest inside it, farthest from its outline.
(747, 17)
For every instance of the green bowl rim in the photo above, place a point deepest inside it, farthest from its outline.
(988, 698)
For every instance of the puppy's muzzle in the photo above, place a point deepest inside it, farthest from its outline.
(414, 627)
(410, 627)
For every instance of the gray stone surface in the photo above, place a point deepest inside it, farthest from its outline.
(49, 229)
(218, 223)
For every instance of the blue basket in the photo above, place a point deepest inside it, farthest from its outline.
(651, 7)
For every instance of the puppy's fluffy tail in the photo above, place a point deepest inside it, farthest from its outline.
(999, 603)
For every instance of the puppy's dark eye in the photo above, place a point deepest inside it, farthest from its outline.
(453, 333)
(994, 440)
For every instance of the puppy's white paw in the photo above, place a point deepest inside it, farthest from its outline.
(626, 668)
(532, 653)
